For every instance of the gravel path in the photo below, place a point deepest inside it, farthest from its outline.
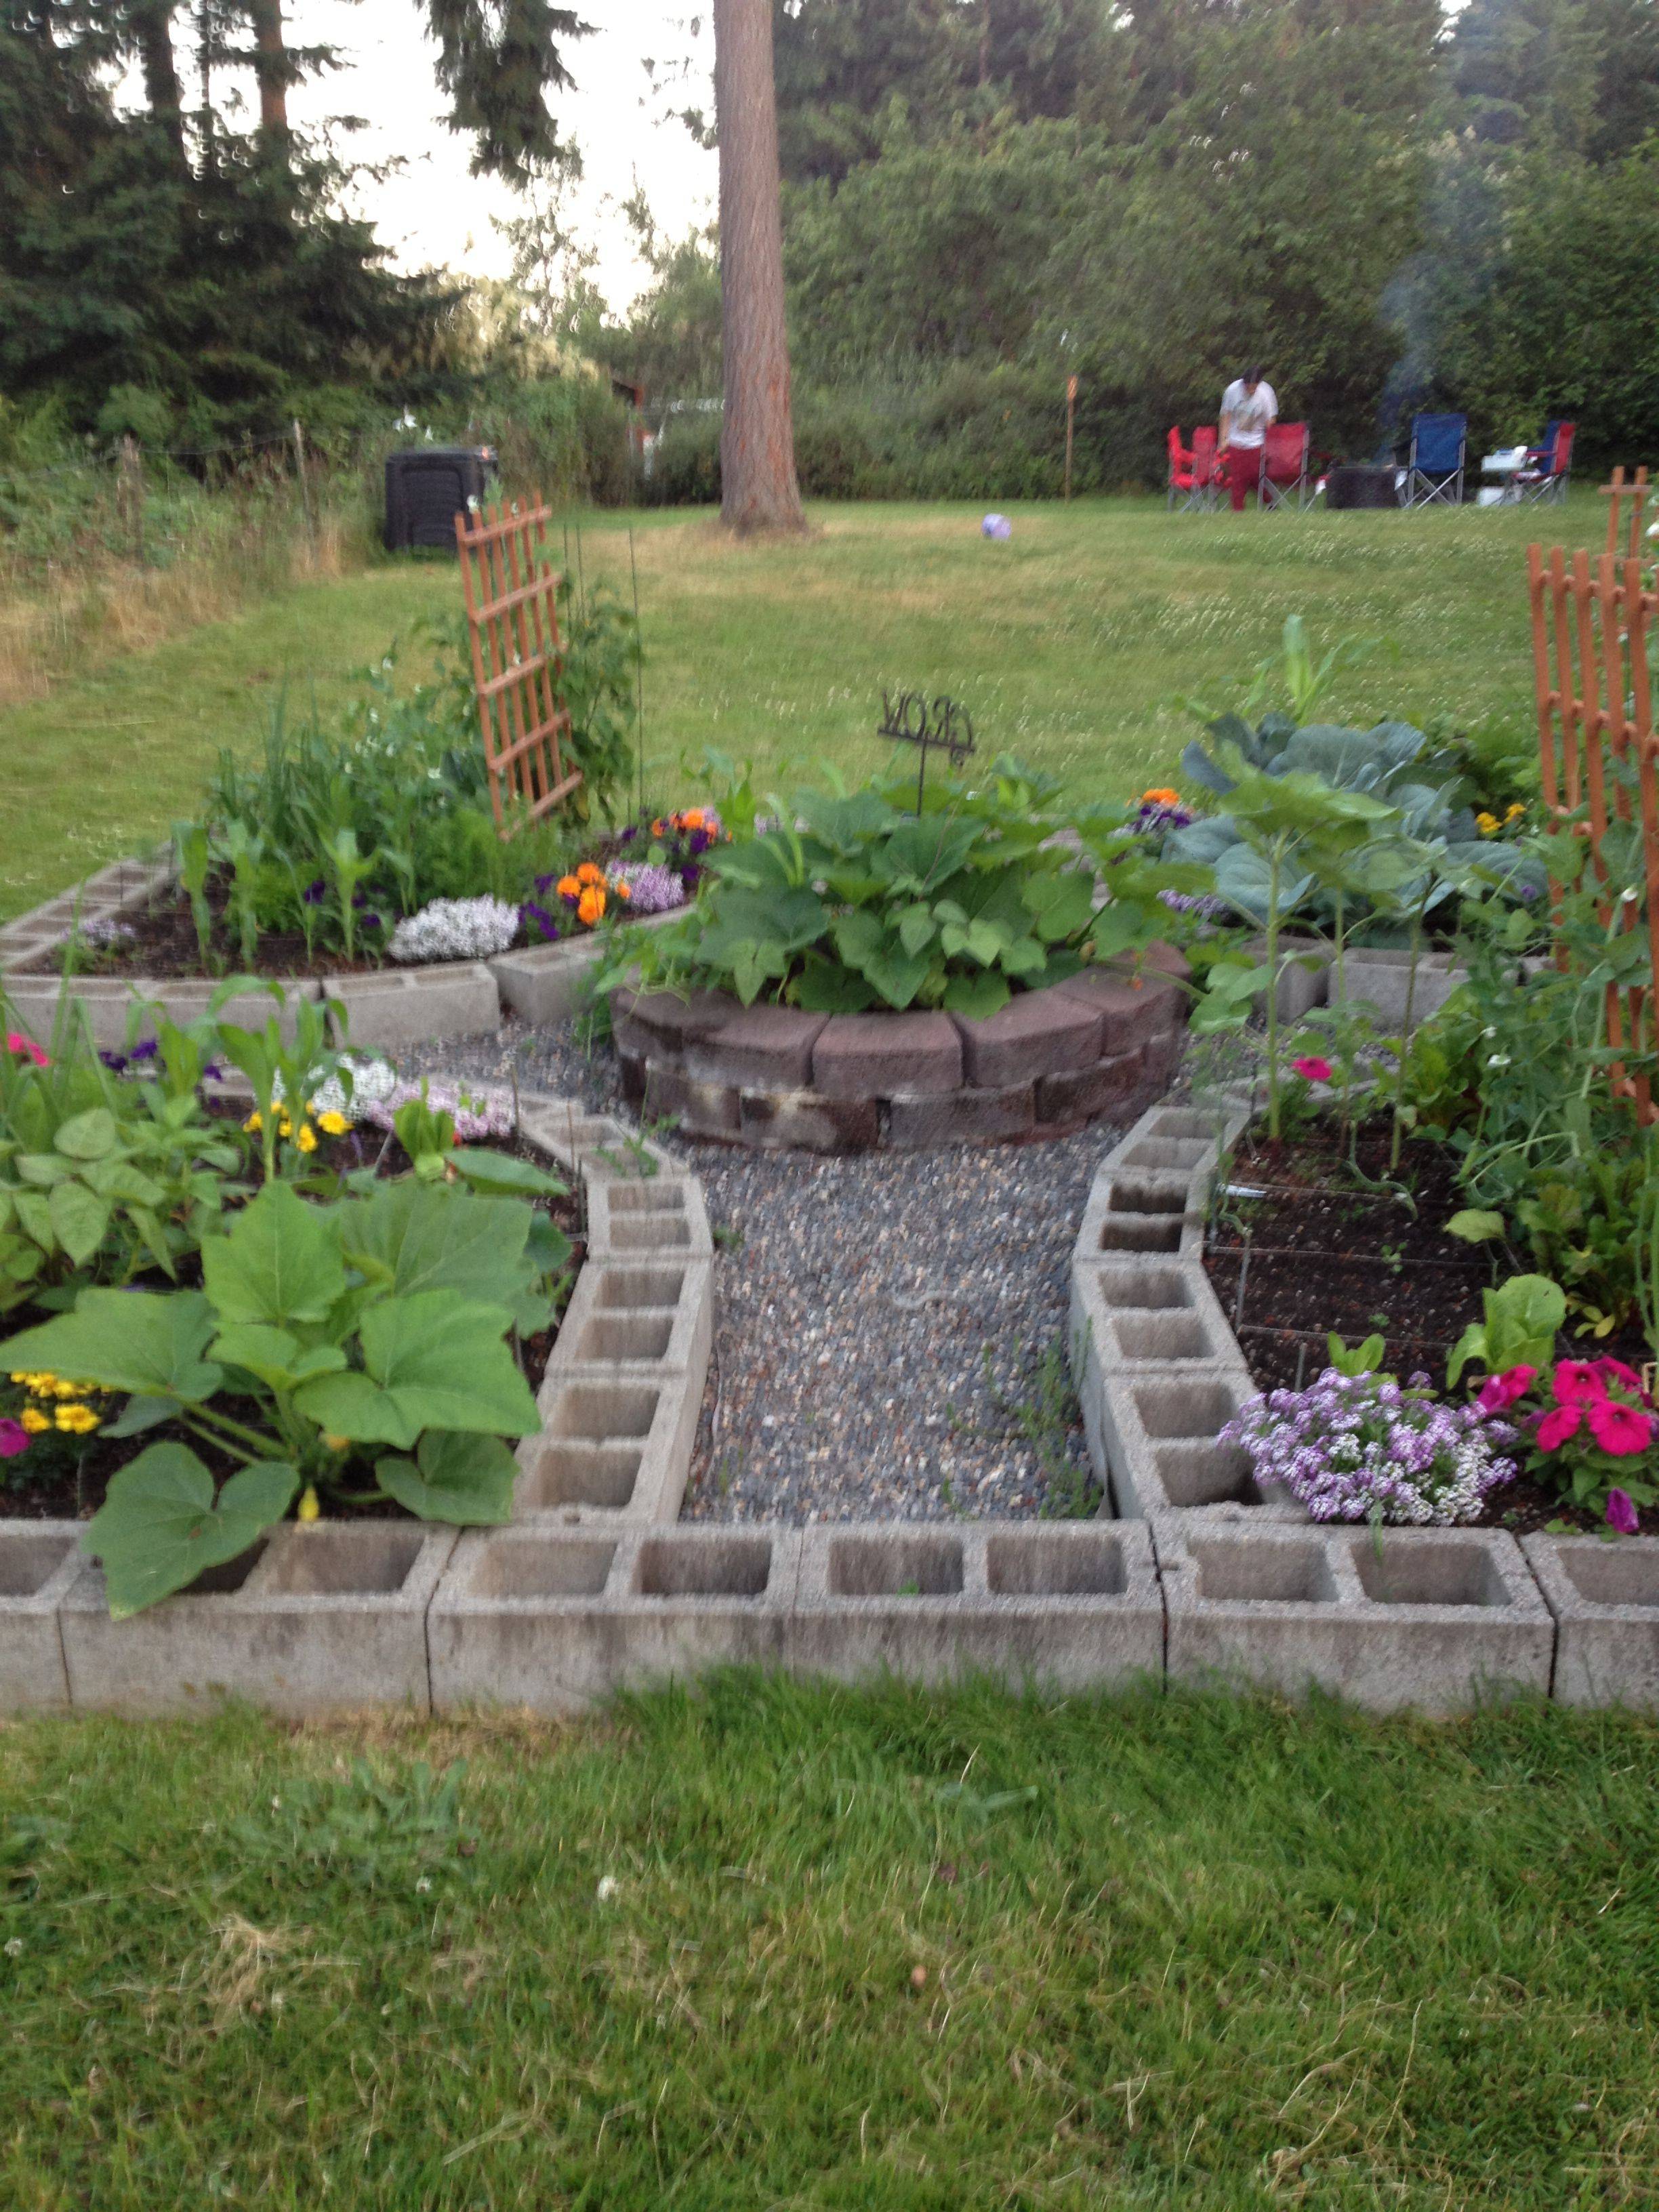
(890, 1327)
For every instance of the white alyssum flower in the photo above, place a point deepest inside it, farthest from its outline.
(456, 929)
(372, 1080)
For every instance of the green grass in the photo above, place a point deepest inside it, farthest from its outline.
(877, 1952)
(1069, 646)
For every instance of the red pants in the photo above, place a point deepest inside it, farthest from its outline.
(1243, 474)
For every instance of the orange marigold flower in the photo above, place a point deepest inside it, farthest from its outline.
(1162, 796)
(658, 829)
(591, 907)
(693, 818)
(590, 874)
(622, 891)
(570, 887)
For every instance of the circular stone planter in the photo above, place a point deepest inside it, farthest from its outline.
(389, 1007)
(1106, 1041)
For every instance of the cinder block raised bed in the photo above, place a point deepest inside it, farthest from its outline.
(1436, 1619)
(1106, 1041)
(1605, 1598)
(39, 1561)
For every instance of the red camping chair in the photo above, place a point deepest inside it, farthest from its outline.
(1192, 471)
(1548, 466)
(1206, 468)
(1285, 480)
(1181, 479)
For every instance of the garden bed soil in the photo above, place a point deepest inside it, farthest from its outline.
(73, 1489)
(1359, 1251)
(164, 946)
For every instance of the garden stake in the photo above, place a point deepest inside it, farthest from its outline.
(1243, 1277)
(639, 673)
(1301, 1363)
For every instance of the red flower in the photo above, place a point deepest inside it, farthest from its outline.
(13, 1438)
(1315, 1069)
(1579, 1383)
(1614, 1371)
(1557, 1426)
(25, 1049)
(1620, 1429)
(1621, 1512)
(1498, 1391)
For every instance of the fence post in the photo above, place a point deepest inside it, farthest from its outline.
(305, 486)
(130, 493)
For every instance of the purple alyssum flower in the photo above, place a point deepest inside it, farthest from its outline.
(655, 890)
(1364, 1447)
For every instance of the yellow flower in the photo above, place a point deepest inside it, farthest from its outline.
(309, 1509)
(33, 1420)
(1485, 824)
(67, 1389)
(306, 1140)
(1517, 808)
(333, 1124)
(337, 1443)
(254, 1123)
(76, 1420)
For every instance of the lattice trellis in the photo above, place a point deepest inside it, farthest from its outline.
(1592, 631)
(512, 611)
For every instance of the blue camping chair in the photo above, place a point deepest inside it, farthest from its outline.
(1439, 450)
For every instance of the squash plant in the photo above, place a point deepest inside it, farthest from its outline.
(849, 901)
(356, 1349)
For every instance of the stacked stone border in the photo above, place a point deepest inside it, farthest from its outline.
(1253, 1589)
(594, 1586)
(386, 1007)
(1106, 1041)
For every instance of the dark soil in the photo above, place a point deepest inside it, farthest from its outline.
(1324, 1245)
(69, 1476)
(164, 944)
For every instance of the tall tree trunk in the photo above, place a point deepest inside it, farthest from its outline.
(759, 490)
(152, 32)
(270, 66)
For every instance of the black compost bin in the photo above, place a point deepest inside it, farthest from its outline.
(427, 488)
(1362, 484)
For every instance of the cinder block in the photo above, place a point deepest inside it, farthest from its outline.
(1381, 980)
(1303, 968)
(648, 1315)
(1131, 1214)
(1109, 1086)
(545, 983)
(108, 1001)
(1133, 1009)
(1436, 1619)
(593, 1145)
(556, 1619)
(759, 1048)
(412, 1005)
(39, 1562)
(886, 1055)
(1072, 1605)
(1605, 1598)
(659, 1024)
(1037, 1033)
(659, 1216)
(312, 1620)
(1149, 1312)
(805, 1120)
(615, 1443)
(1152, 1434)
(962, 1117)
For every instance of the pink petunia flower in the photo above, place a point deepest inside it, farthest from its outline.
(25, 1049)
(1621, 1512)
(1558, 1425)
(1614, 1371)
(1498, 1391)
(1579, 1383)
(13, 1438)
(1618, 1429)
(1315, 1069)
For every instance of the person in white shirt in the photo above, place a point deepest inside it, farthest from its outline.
(1250, 408)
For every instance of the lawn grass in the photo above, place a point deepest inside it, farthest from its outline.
(884, 1951)
(1070, 646)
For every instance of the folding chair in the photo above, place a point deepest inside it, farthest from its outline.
(1439, 450)
(1284, 480)
(1181, 470)
(1206, 469)
(1547, 466)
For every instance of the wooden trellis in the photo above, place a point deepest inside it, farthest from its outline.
(512, 611)
(1592, 634)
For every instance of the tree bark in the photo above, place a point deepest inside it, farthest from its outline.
(759, 486)
(152, 33)
(271, 65)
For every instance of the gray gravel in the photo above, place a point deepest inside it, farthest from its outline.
(890, 1327)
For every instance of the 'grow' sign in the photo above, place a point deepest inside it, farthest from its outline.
(940, 724)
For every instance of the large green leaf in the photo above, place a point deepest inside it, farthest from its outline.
(276, 1355)
(452, 1477)
(147, 1342)
(80, 1217)
(1061, 902)
(433, 1361)
(416, 1237)
(88, 1136)
(500, 1171)
(280, 1262)
(161, 1525)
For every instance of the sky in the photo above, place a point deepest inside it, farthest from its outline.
(433, 212)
